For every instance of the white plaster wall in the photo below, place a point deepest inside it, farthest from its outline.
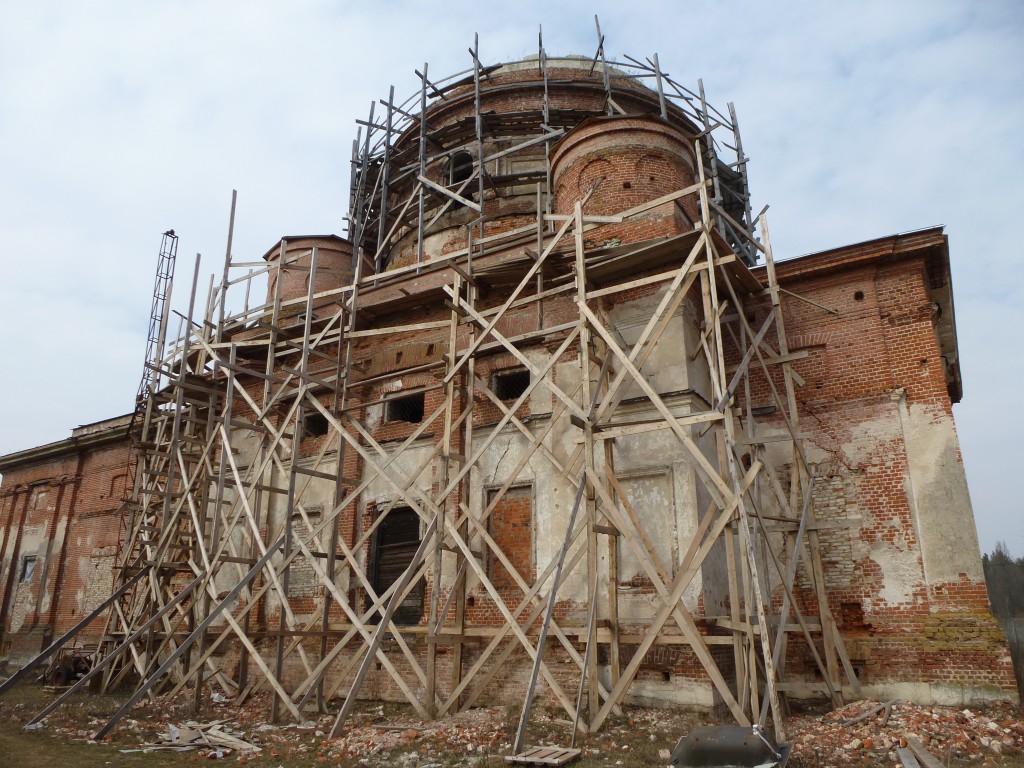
(403, 469)
(669, 367)
(937, 489)
(669, 508)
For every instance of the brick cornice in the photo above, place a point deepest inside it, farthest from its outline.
(63, 448)
(924, 242)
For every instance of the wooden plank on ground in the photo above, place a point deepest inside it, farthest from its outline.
(925, 758)
(544, 756)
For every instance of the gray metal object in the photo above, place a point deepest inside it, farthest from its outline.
(728, 746)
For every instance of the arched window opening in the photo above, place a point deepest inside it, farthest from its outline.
(460, 167)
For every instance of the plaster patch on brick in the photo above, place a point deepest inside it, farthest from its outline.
(22, 607)
(100, 579)
(949, 541)
(900, 572)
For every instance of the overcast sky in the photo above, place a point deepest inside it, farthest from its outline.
(119, 120)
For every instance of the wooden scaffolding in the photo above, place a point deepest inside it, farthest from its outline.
(237, 575)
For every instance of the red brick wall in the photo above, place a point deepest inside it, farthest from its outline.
(511, 527)
(880, 345)
(621, 163)
(64, 513)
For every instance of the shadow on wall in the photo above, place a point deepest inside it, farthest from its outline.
(1014, 629)
(1004, 577)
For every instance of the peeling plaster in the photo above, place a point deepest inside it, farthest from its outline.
(900, 572)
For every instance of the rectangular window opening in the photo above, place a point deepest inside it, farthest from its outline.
(315, 425)
(405, 408)
(38, 499)
(312, 512)
(394, 543)
(510, 385)
(28, 568)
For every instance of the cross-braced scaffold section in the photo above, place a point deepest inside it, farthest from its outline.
(503, 440)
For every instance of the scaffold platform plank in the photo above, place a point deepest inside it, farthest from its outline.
(544, 756)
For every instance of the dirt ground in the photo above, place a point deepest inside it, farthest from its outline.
(392, 735)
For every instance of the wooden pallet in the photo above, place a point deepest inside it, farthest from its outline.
(544, 756)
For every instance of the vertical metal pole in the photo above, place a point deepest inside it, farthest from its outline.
(359, 213)
(548, 202)
(524, 716)
(423, 162)
(157, 574)
(386, 178)
(590, 395)
(661, 89)
(297, 434)
(263, 497)
(218, 507)
(604, 67)
(479, 140)
(354, 202)
(346, 346)
(708, 154)
(741, 166)
(227, 267)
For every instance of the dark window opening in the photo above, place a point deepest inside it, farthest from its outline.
(460, 167)
(509, 385)
(315, 425)
(394, 543)
(312, 512)
(858, 296)
(28, 568)
(408, 408)
(860, 669)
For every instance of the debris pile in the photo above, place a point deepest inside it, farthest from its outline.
(215, 739)
(868, 733)
(389, 735)
(473, 734)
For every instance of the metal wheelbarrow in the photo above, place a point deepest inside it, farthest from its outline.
(728, 746)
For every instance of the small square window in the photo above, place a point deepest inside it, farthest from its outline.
(315, 425)
(312, 512)
(509, 385)
(28, 568)
(406, 408)
(38, 500)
